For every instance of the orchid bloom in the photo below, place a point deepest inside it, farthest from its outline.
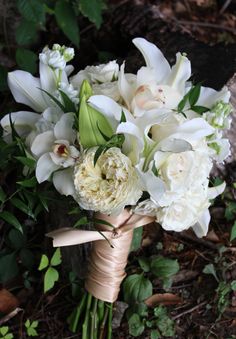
(56, 154)
(157, 85)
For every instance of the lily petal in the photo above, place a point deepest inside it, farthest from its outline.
(52, 114)
(23, 122)
(125, 88)
(26, 90)
(180, 73)
(45, 167)
(213, 192)
(43, 143)
(153, 58)
(208, 96)
(201, 227)
(63, 182)
(64, 128)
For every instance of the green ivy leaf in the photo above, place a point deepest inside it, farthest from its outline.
(11, 219)
(32, 10)
(67, 21)
(137, 288)
(136, 326)
(164, 267)
(43, 263)
(50, 278)
(144, 264)
(155, 334)
(92, 9)
(26, 33)
(233, 232)
(56, 258)
(26, 60)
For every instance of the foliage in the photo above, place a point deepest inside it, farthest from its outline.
(31, 328)
(4, 333)
(51, 274)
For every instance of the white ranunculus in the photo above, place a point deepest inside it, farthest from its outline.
(108, 186)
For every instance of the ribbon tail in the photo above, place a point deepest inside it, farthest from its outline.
(69, 236)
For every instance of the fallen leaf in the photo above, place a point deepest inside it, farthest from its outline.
(163, 299)
(8, 302)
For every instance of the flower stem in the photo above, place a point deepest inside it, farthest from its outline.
(109, 328)
(93, 316)
(102, 327)
(77, 313)
(86, 320)
(100, 310)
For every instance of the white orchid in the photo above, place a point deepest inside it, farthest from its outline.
(55, 150)
(157, 85)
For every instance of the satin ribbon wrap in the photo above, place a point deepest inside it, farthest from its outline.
(108, 259)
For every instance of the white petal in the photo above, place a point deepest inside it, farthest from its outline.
(208, 96)
(201, 227)
(43, 143)
(180, 73)
(125, 88)
(63, 182)
(153, 58)
(23, 121)
(45, 167)
(64, 128)
(25, 89)
(52, 114)
(174, 145)
(193, 130)
(213, 192)
(145, 76)
(48, 81)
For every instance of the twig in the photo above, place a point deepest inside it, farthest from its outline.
(202, 242)
(205, 24)
(189, 310)
(224, 7)
(10, 315)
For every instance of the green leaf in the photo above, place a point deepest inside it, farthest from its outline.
(92, 9)
(68, 104)
(56, 258)
(9, 336)
(136, 326)
(17, 239)
(27, 323)
(34, 323)
(59, 104)
(8, 267)
(89, 119)
(22, 206)
(137, 288)
(32, 10)
(155, 334)
(11, 219)
(141, 309)
(2, 195)
(230, 211)
(29, 162)
(43, 263)
(67, 21)
(137, 239)
(194, 94)
(26, 33)
(164, 267)
(233, 232)
(50, 278)
(210, 269)
(4, 330)
(123, 118)
(81, 221)
(199, 109)
(32, 182)
(26, 60)
(3, 79)
(182, 103)
(144, 264)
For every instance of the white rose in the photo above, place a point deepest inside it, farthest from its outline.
(183, 212)
(110, 89)
(108, 186)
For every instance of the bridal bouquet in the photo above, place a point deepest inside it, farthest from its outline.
(132, 148)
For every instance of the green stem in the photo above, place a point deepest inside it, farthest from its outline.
(77, 313)
(101, 305)
(93, 333)
(102, 327)
(86, 320)
(109, 329)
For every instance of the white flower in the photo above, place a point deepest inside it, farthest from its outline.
(69, 90)
(110, 89)
(108, 186)
(157, 85)
(54, 150)
(57, 57)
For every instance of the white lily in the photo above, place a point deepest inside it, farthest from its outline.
(157, 85)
